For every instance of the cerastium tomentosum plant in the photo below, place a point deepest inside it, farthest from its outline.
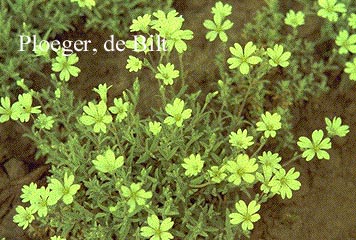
(188, 171)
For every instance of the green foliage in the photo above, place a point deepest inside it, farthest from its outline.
(116, 15)
(196, 162)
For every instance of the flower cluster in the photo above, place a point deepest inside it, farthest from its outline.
(219, 25)
(20, 110)
(41, 199)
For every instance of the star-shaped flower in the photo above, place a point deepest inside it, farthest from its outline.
(177, 113)
(316, 146)
(242, 58)
(245, 215)
(64, 64)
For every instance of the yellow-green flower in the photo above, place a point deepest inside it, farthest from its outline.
(154, 127)
(351, 69)
(316, 146)
(217, 28)
(135, 195)
(270, 161)
(330, 9)
(108, 163)
(221, 9)
(283, 183)
(177, 113)
(193, 165)
(242, 58)
(133, 64)
(265, 179)
(245, 215)
(294, 19)
(142, 23)
(96, 114)
(277, 56)
(28, 192)
(66, 191)
(352, 20)
(120, 108)
(7, 111)
(346, 42)
(85, 3)
(243, 168)
(22, 109)
(335, 127)
(157, 230)
(57, 238)
(64, 64)
(217, 174)
(240, 140)
(102, 90)
(167, 73)
(44, 122)
(270, 124)
(24, 216)
(40, 201)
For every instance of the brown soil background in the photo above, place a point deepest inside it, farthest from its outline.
(324, 208)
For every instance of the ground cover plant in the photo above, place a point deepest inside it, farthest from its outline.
(48, 20)
(199, 166)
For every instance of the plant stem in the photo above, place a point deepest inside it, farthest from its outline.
(201, 185)
(264, 141)
(182, 77)
(242, 106)
(296, 157)
(114, 132)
